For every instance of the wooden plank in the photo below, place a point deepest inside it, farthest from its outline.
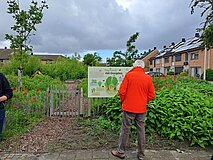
(51, 103)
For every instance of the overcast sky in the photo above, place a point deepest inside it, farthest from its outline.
(105, 25)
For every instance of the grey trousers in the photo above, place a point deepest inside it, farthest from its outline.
(139, 118)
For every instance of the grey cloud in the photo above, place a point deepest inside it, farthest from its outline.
(70, 26)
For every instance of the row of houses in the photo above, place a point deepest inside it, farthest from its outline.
(45, 59)
(185, 56)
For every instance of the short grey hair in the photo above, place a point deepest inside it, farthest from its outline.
(139, 63)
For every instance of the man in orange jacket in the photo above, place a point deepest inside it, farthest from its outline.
(136, 90)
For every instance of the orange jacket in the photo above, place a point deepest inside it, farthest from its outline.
(136, 90)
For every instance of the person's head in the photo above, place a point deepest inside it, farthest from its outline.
(139, 63)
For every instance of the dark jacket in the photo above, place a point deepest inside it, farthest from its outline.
(5, 89)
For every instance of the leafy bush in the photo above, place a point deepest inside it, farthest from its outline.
(27, 107)
(209, 74)
(30, 64)
(84, 85)
(65, 69)
(181, 110)
(183, 74)
(170, 73)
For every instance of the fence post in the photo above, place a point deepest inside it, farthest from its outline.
(46, 109)
(82, 103)
(89, 108)
(51, 102)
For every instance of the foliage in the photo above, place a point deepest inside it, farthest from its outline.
(181, 110)
(18, 122)
(207, 36)
(92, 59)
(207, 7)
(84, 85)
(183, 74)
(25, 23)
(65, 69)
(28, 106)
(30, 64)
(170, 73)
(127, 58)
(209, 75)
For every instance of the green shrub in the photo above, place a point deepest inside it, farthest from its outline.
(65, 69)
(183, 74)
(181, 110)
(209, 74)
(170, 73)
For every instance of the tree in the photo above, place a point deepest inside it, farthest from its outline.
(30, 64)
(25, 24)
(92, 59)
(76, 56)
(127, 58)
(207, 6)
(207, 36)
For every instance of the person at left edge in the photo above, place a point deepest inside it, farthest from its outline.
(5, 93)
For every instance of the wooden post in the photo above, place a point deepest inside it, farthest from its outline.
(89, 108)
(81, 103)
(47, 102)
(51, 103)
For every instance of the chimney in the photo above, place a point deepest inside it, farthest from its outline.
(164, 46)
(149, 50)
(155, 48)
(197, 35)
(173, 43)
(5, 47)
(183, 40)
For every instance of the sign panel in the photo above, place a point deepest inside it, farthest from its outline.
(105, 81)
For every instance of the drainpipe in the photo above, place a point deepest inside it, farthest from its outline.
(209, 55)
(204, 67)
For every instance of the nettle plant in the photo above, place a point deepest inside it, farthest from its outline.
(181, 110)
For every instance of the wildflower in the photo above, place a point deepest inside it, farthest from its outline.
(37, 89)
(158, 87)
(174, 79)
(25, 93)
(13, 89)
(24, 89)
(14, 107)
(33, 99)
(170, 84)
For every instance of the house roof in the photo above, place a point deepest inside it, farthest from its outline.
(48, 57)
(164, 51)
(189, 44)
(5, 53)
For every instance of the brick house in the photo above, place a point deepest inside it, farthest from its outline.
(4, 55)
(45, 59)
(185, 56)
(148, 56)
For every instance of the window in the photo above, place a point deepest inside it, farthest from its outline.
(150, 62)
(194, 56)
(166, 59)
(186, 56)
(177, 57)
(195, 71)
(157, 69)
(157, 61)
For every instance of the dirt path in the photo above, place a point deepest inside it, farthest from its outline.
(38, 138)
